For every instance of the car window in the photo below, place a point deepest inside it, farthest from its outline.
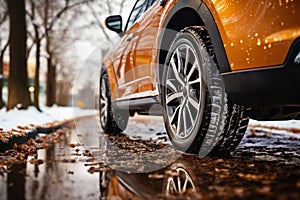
(140, 7)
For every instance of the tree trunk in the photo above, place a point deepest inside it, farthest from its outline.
(37, 69)
(50, 84)
(18, 94)
(51, 81)
(1, 82)
(1, 73)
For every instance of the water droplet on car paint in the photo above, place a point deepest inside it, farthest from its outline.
(258, 42)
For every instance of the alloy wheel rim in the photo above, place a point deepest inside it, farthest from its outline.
(103, 102)
(183, 96)
(179, 183)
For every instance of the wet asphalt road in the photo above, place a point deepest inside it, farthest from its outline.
(87, 164)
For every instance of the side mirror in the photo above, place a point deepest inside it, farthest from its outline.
(114, 23)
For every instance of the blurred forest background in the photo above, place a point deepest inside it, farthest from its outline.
(43, 43)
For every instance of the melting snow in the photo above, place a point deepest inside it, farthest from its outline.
(15, 117)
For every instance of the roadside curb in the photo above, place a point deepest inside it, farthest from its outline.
(33, 134)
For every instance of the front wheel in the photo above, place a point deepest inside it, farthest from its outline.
(199, 117)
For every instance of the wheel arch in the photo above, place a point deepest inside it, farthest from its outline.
(185, 14)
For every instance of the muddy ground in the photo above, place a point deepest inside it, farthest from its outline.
(83, 163)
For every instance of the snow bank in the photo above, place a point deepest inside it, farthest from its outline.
(279, 124)
(15, 117)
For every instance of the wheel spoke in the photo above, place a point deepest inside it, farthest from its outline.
(179, 123)
(190, 113)
(194, 103)
(176, 73)
(171, 186)
(174, 96)
(179, 60)
(185, 184)
(174, 114)
(187, 56)
(103, 109)
(184, 122)
(171, 85)
(179, 184)
(103, 96)
(198, 80)
(195, 65)
(103, 103)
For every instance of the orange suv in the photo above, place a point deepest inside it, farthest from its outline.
(207, 66)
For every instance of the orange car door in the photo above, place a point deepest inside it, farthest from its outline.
(146, 34)
(123, 65)
(126, 58)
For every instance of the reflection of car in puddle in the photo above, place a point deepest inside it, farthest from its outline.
(172, 181)
(179, 182)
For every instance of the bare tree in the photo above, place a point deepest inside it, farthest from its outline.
(53, 13)
(47, 19)
(51, 23)
(37, 39)
(18, 94)
(64, 60)
(3, 43)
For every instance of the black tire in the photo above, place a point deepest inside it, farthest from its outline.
(194, 89)
(112, 120)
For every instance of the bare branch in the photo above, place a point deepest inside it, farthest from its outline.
(5, 47)
(3, 18)
(101, 26)
(3, 13)
(29, 49)
(108, 4)
(62, 11)
(122, 6)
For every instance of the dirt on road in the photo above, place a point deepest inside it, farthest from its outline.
(84, 163)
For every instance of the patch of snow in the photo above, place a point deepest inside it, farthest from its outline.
(279, 124)
(147, 128)
(15, 117)
(152, 128)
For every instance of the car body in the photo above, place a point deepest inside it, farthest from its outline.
(254, 45)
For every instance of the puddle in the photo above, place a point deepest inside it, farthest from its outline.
(87, 164)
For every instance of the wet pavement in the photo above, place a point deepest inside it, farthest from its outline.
(84, 163)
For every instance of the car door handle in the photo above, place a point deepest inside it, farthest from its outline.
(129, 37)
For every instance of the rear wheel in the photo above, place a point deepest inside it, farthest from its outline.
(199, 117)
(112, 120)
